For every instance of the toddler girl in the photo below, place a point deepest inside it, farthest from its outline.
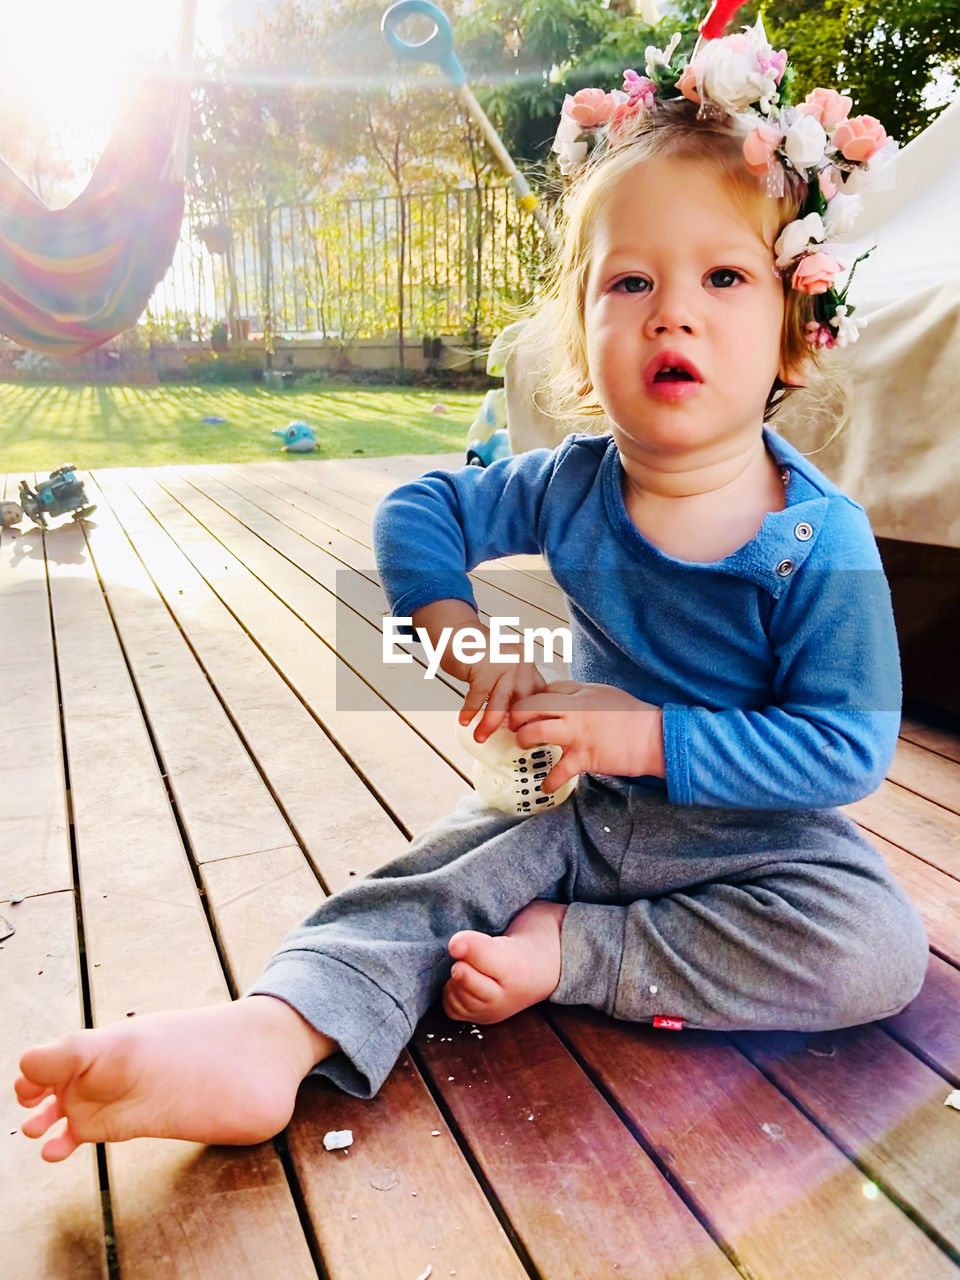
(734, 653)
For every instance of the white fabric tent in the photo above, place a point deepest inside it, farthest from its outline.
(900, 452)
(914, 221)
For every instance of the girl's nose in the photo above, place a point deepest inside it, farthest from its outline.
(672, 312)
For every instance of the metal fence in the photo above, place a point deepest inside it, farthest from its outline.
(447, 262)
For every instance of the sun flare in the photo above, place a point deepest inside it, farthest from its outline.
(69, 65)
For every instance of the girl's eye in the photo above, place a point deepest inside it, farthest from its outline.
(725, 277)
(632, 284)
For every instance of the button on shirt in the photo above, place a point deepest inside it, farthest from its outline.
(776, 667)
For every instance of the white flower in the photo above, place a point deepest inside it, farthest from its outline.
(660, 57)
(841, 214)
(796, 237)
(805, 142)
(730, 71)
(848, 329)
(569, 145)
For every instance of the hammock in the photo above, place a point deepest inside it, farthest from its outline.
(71, 279)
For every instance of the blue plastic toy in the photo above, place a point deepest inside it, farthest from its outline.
(61, 493)
(488, 439)
(297, 437)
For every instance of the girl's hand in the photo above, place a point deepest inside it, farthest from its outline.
(601, 730)
(499, 685)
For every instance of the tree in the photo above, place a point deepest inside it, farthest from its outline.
(294, 112)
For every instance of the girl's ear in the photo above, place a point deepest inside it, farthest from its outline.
(793, 374)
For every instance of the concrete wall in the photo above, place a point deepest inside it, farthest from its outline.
(304, 355)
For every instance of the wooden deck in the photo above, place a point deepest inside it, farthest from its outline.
(198, 742)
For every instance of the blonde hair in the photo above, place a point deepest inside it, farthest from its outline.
(673, 130)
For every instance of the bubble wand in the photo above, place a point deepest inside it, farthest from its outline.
(438, 49)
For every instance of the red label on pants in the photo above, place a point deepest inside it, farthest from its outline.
(668, 1024)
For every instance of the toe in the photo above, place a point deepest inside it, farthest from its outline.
(59, 1147)
(36, 1125)
(472, 985)
(454, 1006)
(29, 1093)
(487, 955)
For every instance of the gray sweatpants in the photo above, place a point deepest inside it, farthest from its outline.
(730, 919)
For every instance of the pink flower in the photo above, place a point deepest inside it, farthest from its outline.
(590, 107)
(687, 84)
(759, 147)
(859, 138)
(819, 335)
(828, 187)
(827, 106)
(777, 63)
(639, 87)
(814, 273)
(624, 113)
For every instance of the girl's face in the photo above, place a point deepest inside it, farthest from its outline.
(683, 312)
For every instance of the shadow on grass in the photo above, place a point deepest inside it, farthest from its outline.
(45, 425)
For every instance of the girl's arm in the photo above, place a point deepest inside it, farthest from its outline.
(427, 534)
(829, 734)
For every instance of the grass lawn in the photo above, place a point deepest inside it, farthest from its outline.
(44, 425)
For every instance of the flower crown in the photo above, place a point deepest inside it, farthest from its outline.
(836, 154)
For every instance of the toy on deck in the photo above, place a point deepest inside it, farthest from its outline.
(297, 437)
(488, 439)
(11, 513)
(61, 493)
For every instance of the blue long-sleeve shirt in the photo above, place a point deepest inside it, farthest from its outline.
(776, 667)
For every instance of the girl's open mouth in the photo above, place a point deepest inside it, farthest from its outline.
(670, 376)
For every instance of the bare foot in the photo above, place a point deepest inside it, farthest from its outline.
(225, 1074)
(494, 978)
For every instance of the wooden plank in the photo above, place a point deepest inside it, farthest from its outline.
(935, 895)
(247, 901)
(386, 751)
(928, 774)
(403, 1198)
(881, 1105)
(256, 898)
(149, 948)
(917, 825)
(939, 740)
(929, 1025)
(52, 1222)
(35, 847)
(342, 835)
(780, 1194)
(582, 1195)
(223, 801)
